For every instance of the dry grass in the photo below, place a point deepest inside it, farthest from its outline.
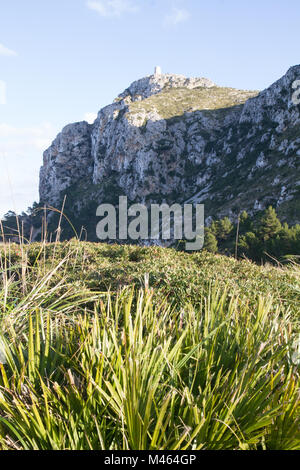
(177, 101)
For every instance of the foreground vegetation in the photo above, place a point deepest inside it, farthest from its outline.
(123, 347)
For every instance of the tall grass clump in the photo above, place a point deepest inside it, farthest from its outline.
(125, 373)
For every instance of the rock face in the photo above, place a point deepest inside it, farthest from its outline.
(66, 161)
(168, 138)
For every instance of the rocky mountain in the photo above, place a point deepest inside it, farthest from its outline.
(168, 138)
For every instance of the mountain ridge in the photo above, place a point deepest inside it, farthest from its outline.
(168, 138)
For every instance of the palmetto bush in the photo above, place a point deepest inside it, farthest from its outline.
(90, 370)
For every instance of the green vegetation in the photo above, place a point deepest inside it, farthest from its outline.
(265, 239)
(176, 101)
(127, 347)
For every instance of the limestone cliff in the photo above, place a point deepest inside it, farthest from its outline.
(171, 138)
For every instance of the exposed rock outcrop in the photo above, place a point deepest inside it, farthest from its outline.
(170, 138)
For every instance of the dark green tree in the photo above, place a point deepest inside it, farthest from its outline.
(269, 225)
(246, 224)
(10, 225)
(251, 247)
(225, 227)
(210, 241)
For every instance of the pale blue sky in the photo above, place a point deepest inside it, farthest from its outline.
(63, 59)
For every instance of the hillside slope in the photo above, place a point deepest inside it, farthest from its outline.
(130, 348)
(181, 277)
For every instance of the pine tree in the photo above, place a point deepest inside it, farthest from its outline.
(225, 227)
(269, 225)
(245, 222)
(210, 241)
(10, 225)
(251, 246)
(214, 227)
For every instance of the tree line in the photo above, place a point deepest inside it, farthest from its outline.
(260, 240)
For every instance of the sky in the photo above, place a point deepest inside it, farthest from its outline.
(63, 60)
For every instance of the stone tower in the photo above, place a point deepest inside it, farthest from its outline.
(157, 71)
